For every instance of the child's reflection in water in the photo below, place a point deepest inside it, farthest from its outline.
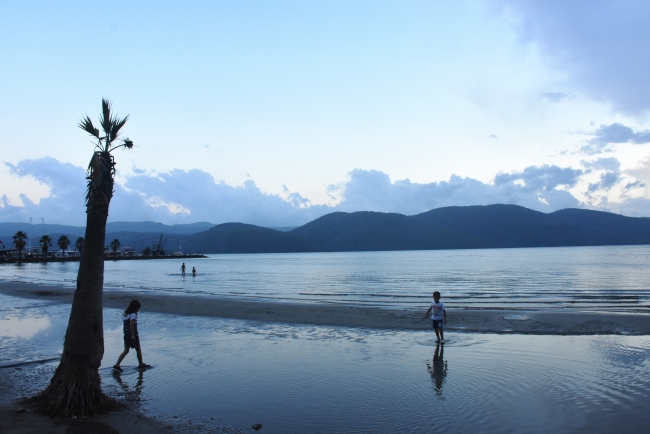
(438, 368)
(130, 394)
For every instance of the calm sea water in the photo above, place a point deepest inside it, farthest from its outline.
(612, 278)
(315, 379)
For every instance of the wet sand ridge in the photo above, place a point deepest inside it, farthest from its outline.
(562, 321)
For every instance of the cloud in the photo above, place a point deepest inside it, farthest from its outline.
(612, 134)
(214, 201)
(556, 96)
(610, 163)
(67, 185)
(373, 191)
(601, 45)
(606, 182)
(635, 184)
(541, 178)
(608, 179)
(641, 171)
(182, 196)
(633, 207)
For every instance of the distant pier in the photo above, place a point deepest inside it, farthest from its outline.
(77, 258)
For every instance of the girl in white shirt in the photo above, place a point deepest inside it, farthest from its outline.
(131, 338)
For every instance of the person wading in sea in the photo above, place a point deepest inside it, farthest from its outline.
(438, 316)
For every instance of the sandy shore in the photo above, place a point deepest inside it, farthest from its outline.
(562, 322)
(17, 419)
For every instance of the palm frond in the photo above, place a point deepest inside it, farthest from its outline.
(105, 118)
(117, 125)
(126, 143)
(87, 125)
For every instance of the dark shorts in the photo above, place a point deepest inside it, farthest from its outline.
(131, 343)
(437, 324)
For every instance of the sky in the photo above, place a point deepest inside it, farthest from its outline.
(275, 113)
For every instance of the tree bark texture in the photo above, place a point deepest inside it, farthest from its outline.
(75, 388)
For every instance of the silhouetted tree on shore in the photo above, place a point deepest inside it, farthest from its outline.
(45, 243)
(115, 245)
(19, 242)
(79, 244)
(63, 243)
(75, 388)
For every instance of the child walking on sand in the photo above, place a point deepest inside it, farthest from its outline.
(438, 316)
(131, 338)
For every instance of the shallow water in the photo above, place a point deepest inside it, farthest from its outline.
(297, 379)
(567, 277)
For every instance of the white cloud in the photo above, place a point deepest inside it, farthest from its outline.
(541, 178)
(182, 196)
(373, 191)
(615, 133)
(610, 163)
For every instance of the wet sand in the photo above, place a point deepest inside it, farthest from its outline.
(17, 419)
(564, 321)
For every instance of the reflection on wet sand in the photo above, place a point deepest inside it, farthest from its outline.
(438, 368)
(131, 394)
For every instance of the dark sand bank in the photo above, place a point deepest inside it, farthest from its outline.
(18, 419)
(560, 322)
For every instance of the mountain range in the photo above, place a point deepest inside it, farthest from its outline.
(470, 227)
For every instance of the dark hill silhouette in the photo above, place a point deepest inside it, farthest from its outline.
(243, 238)
(492, 226)
(471, 227)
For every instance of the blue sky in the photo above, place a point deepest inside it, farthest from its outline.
(277, 112)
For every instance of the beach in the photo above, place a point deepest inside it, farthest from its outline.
(566, 321)
(305, 367)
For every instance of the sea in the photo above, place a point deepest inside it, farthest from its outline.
(611, 278)
(215, 375)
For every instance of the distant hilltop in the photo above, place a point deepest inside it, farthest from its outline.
(468, 227)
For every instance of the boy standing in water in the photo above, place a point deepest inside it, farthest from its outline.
(438, 316)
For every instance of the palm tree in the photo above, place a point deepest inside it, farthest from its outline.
(115, 245)
(45, 242)
(79, 244)
(63, 243)
(75, 388)
(19, 242)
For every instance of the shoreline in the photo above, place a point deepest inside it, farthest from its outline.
(541, 322)
(40, 259)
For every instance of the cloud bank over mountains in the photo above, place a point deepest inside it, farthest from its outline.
(189, 196)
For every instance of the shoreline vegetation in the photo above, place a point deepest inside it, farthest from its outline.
(39, 259)
(562, 321)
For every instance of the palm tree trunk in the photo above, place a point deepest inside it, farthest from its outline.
(75, 388)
